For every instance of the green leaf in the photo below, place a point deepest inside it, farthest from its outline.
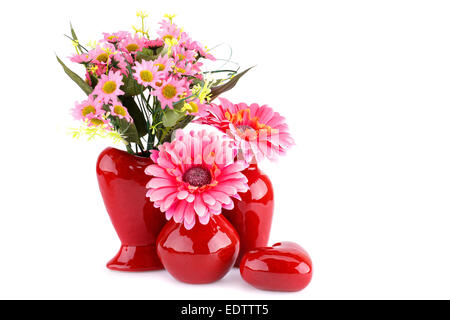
(171, 117)
(146, 54)
(131, 87)
(136, 114)
(75, 38)
(217, 91)
(179, 125)
(76, 78)
(127, 130)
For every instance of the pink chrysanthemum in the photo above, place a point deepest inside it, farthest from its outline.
(164, 64)
(147, 74)
(120, 111)
(108, 87)
(99, 121)
(88, 109)
(116, 36)
(194, 177)
(121, 60)
(187, 69)
(181, 54)
(154, 44)
(169, 31)
(133, 44)
(99, 54)
(80, 58)
(258, 131)
(189, 44)
(170, 91)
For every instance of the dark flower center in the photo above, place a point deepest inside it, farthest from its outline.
(197, 176)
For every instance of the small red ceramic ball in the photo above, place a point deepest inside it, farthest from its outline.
(285, 266)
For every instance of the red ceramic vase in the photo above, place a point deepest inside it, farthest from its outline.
(203, 254)
(252, 217)
(122, 181)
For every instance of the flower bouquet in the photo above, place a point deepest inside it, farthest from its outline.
(143, 90)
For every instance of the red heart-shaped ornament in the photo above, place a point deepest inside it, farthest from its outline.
(283, 267)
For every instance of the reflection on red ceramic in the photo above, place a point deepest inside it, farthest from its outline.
(283, 267)
(252, 217)
(122, 181)
(203, 254)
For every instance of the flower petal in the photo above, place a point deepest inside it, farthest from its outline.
(182, 194)
(161, 193)
(208, 199)
(199, 206)
(159, 182)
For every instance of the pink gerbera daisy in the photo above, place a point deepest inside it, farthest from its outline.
(108, 87)
(194, 177)
(88, 109)
(147, 74)
(170, 91)
(258, 131)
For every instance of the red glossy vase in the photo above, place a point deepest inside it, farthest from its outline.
(203, 254)
(122, 181)
(252, 217)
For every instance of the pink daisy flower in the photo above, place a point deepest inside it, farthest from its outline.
(88, 109)
(164, 64)
(80, 58)
(170, 91)
(189, 44)
(147, 74)
(168, 31)
(120, 111)
(116, 36)
(120, 62)
(133, 44)
(154, 44)
(258, 131)
(99, 55)
(99, 121)
(108, 87)
(194, 177)
(181, 54)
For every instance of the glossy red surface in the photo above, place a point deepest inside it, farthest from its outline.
(122, 181)
(283, 267)
(203, 254)
(252, 217)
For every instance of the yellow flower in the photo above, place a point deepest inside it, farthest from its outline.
(93, 132)
(170, 17)
(92, 44)
(142, 14)
(203, 92)
(190, 107)
(92, 69)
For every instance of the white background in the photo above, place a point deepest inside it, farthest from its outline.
(364, 86)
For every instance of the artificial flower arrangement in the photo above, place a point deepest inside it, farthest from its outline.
(143, 91)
